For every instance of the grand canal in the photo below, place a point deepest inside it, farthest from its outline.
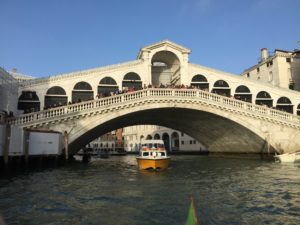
(112, 192)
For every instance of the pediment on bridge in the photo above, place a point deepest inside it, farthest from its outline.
(165, 45)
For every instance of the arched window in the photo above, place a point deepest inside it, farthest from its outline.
(149, 137)
(221, 87)
(108, 81)
(264, 98)
(132, 76)
(156, 137)
(199, 81)
(56, 90)
(284, 104)
(243, 93)
(82, 92)
(107, 85)
(56, 96)
(29, 102)
(131, 80)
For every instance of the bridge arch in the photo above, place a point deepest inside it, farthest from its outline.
(29, 102)
(221, 87)
(210, 127)
(243, 93)
(156, 136)
(199, 81)
(264, 98)
(165, 69)
(149, 137)
(55, 96)
(132, 80)
(82, 91)
(284, 104)
(222, 124)
(106, 86)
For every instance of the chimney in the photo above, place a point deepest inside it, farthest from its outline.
(264, 54)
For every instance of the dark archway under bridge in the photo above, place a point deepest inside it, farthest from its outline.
(217, 133)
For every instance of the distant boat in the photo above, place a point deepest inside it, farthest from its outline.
(153, 155)
(288, 157)
(192, 218)
(103, 153)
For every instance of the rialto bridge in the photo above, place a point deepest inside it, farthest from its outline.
(225, 112)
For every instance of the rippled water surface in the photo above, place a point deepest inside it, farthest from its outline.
(112, 191)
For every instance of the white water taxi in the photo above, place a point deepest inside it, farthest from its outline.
(288, 157)
(153, 155)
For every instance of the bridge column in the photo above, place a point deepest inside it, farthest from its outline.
(66, 144)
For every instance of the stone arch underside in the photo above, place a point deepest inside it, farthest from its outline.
(217, 133)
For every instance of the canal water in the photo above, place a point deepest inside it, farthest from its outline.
(113, 192)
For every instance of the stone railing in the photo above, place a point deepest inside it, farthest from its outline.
(172, 95)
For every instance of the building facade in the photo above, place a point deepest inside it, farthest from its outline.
(174, 140)
(280, 69)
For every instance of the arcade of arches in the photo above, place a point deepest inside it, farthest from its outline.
(161, 74)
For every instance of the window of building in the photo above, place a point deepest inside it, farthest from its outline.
(182, 142)
(191, 142)
(288, 60)
(257, 69)
(248, 74)
(194, 141)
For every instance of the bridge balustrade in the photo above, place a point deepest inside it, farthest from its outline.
(187, 94)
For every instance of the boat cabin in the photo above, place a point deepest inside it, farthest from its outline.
(153, 145)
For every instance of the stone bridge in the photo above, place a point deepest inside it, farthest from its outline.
(221, 123)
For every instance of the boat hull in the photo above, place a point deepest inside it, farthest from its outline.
(156, 164)
(288, 157)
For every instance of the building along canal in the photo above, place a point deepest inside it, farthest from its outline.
(113, 191)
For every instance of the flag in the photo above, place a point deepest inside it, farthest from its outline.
(192, 215)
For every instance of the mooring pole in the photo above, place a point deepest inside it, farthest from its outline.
(6, 144)
(66, 143)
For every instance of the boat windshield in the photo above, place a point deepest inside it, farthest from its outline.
(152, 145)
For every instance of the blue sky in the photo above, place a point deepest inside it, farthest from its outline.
(42, 38)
